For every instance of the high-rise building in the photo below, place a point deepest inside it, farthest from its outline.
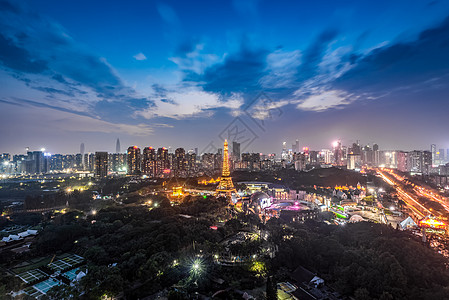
(191, 163)
(149, 161)
(117, 162)
(180, 165)
(117, 146)
(218, 161)
(89, 161)
(101, 164)
(300, 161)
(5, 164)
(251, 161)
(388, 159)
(81, 165)
(339, 159)
(207, 162)
(79, 161)
(133, 159)
(420, 161)
(441, 157)
(56, 162)
(163, 163)
(355, 149)
(433, 150)
(236, 151)
(284, 153)
(326, 156)
(354, 161)
(295, 147)
(403, 161)
(37, 162)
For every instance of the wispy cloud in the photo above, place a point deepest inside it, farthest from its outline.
(168, 14)
(190, 103)
(67, 120)
(195, 60)
(324, 101)
(140, 56)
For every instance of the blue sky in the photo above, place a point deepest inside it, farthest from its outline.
(177, 73)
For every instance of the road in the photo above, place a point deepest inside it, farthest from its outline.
(419, 210)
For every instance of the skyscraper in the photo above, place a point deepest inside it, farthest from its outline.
(133, 160)
(162, 160)
(149, 161)
(191, 162)
(441, 157)
(180, 162)
(338, 153)
(433, 150)
(284, 153)
(81, 163)
(117, 146)
(101, 164)
(295, 147)
(236, 151)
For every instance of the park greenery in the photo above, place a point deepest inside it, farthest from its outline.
(141, 244)
(364, 260)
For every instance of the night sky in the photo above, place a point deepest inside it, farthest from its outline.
(190, 73)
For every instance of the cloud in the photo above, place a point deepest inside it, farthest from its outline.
(43, 116)
(190, 103)
(168, 14)
(194, 60)
(313, 55)
(27, 102)
(401, 65)
(140, 56)
(265, 110)
(324, 101)
(281, 69)
(239, 72)
(40, 53)
(16, 58)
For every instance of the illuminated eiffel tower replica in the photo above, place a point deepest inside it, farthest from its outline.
(225, 187)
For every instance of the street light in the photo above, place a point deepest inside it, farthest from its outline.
(196, 267)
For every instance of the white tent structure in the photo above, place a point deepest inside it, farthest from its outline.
(356, 218)
(408, 223)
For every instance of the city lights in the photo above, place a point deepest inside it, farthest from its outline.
(197, 267)
(224, 149)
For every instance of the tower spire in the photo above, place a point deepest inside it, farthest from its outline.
(226, 187)
(117, 146)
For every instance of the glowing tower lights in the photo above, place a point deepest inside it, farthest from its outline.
(226, 186)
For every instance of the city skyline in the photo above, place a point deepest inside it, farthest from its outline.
(174, 74)
(172, 149)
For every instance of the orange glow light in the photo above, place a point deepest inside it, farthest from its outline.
(432, 223)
